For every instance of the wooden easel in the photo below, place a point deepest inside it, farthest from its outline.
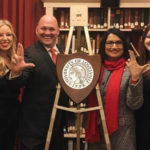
(78, 110)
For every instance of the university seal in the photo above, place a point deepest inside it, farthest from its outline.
(78, 73)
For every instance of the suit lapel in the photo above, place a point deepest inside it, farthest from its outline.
(46, 57)
(61, 49)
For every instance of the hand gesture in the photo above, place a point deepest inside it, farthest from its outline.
(135, 69)
(18, 64)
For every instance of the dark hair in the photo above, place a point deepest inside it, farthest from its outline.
(121, 36)
(144, 53)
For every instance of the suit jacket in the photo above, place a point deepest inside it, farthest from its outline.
(38, 97)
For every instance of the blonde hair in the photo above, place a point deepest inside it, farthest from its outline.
(12, 51)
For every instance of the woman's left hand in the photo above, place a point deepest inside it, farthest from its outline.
(18, 63)
(134, 67)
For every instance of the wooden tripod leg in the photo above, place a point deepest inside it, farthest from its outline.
(69, 40)
(106, 135)
(88, 40)
(53, 115)
(78, 128)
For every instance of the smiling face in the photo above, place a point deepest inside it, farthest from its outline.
(113, 47)
(47, 31)
(6, 38)
(147, 41)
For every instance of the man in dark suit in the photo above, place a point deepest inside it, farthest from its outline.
(38, 74)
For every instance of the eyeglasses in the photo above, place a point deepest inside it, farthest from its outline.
(111, 43)
(148, 36)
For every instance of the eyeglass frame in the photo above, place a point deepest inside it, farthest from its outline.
(148, 36)
(111, 43)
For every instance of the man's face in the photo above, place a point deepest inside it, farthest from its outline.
(47, 31)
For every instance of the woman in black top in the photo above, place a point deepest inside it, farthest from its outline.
(9, 104)
(143, 114)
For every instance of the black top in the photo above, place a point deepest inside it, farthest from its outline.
(9, 113)
(143, 118)
(8, 97)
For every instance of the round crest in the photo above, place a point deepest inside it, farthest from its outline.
(78, 73)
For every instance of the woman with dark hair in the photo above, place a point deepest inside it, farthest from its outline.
(121, 91)
(123, 41)
(143, 114)
(9, 104)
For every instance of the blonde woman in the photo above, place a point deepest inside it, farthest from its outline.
(9, 104)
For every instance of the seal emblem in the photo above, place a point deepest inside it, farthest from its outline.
(78, 73)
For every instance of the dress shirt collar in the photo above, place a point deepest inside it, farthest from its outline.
(54, 47)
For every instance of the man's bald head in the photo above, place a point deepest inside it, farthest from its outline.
(47, 30)
(48, 18)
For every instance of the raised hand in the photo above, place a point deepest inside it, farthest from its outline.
(18, 64)
(135, 69)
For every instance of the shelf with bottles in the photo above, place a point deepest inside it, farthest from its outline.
(133, 36)
(100, 19)
(129, 19)
(97, 20)
(72, 144)
(71, 130)
(63, 17)
(95, 38)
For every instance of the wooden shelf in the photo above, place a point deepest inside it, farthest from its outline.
(66, 1)
(91, 30)
(65, 29)
(96, 30)
(96, 3)
(73, 135)
(134, 4)
(68, 5)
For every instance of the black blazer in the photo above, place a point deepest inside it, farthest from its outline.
(38, 97)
